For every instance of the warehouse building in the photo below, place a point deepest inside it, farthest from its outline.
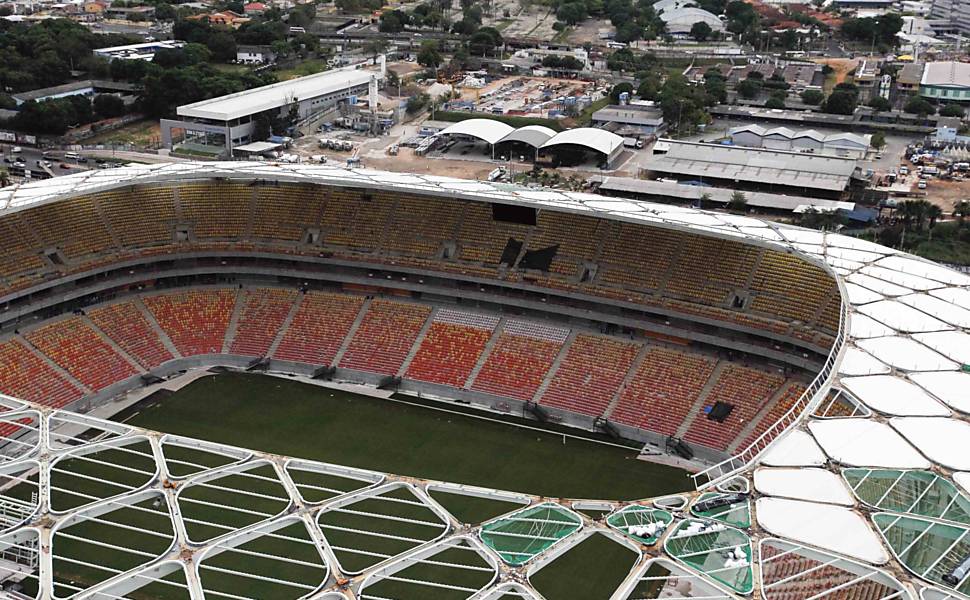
(849, 145)
(948, 80)
(757, 169)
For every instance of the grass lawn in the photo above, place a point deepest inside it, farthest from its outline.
(139, 133)
(303, 68)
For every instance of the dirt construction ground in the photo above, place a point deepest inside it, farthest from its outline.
(946, 194)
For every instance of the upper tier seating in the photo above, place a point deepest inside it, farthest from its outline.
(143, 216)
(79, 350)
(590, 375)
(520, 359)
(25, 375)
(793, 391)
(284, 212)
(385, 336)
(451, 347)
(195, 320)
(127, 327)
(632, 262)
(663, 390)
(318, 328)
(747, 390)
(263, 313)
(216, 210)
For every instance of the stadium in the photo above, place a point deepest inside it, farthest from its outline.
(251, 381)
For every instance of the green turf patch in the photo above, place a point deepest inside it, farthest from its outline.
(183, 460)
(84, 477)
(520, 536)
(214, 507)
(282, 564)
(300, 420)
(592, 570)
(452, 571)
(473, 510)
(381, 524)
(736, 513)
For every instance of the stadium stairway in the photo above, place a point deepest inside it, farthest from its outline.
(764, 412)
(114, 346)
(416, 346)
(627, 380)
(285, 326)
(53, 365)
(695, 410)
(496, 334)
(233, 328)
(345, 345)
(166, 341)
(551, 373)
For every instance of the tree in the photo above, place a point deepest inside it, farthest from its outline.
(749, 88)
(823, 220)
(378, 46)
(429, 56)
(840, 102)
(262, 127)
(393, 21)
(879, 103)
(738, 202)
(618, 89)
(485, 40)
(705, 200)
(700, 31)
(222, 45)
(933, 213)
(417, 103)
(961, 210)
(776, 101)
(813, 97)
(108, 105)
(919, 106)
(571, 12)
(878, 140)
(952, 110)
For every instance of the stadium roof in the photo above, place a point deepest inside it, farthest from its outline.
(902, 451)
(487, 130)
(241, 104)
(757, 165)
(534, 135)
(947, 74)
(599, 140)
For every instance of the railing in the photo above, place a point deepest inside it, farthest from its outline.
(819, 386)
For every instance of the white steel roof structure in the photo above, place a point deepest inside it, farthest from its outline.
(268, 97)
(534, 135)
(487, 130)
(600, 140)
(905, 531)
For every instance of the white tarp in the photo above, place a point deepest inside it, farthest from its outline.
(952, 387)
(816, 485)
(894, 396)
(866, 443)
(906, 354)
(795, 449)
(825, 526)
(944, 441)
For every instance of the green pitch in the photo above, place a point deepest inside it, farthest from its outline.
(295, 419)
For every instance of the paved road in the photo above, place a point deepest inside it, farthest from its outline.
(30, 156)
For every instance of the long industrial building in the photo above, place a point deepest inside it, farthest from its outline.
(757, 169)
(228, 121)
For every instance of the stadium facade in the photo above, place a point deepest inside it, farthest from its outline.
(856, 487)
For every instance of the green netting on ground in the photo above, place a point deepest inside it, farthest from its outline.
(642, 523)
(737, 513)
(719, 551)
(932, 550)
(918, 492)
(523, 534)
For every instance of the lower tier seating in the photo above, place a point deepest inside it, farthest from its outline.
(127, 327)
(590, 375)
(665, 386)
(792, 392)
(520, 360)
(263, 313)
(451, 348)
(318, 328)
(385, 336)
(79, 350)
(25, 375)
(195, 320)
(748, 390)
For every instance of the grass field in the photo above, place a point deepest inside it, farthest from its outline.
(300, 420)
